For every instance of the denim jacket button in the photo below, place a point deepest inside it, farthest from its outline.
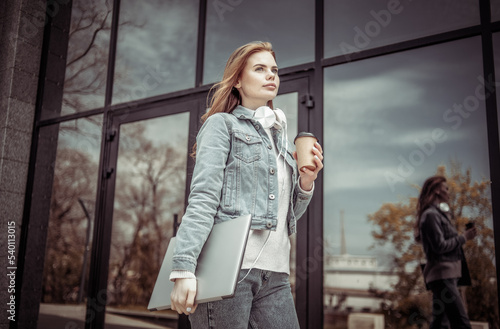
(247, 138)
(269, 147)
(272, 171)
(271, 196)
(269, 224)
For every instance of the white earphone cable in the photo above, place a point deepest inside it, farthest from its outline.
(257, 258)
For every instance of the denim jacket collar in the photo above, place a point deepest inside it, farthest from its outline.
(243, 113)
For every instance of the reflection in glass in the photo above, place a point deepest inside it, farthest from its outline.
(156, 48)
(69, 236)
(87, 58)
(231, 24)
(353, 26)
(390, 122)
(149, 195)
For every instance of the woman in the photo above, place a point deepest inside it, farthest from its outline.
(443, 250)
(243, 165)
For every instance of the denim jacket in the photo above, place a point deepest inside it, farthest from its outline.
(235, 174)
(440, 239)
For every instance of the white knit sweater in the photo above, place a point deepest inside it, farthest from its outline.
(276, 253)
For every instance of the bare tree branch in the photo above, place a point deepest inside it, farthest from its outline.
(90, 45)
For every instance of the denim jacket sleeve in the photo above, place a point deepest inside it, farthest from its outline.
(301, 200)
(213, 145)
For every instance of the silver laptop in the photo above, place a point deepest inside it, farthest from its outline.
(218, 265)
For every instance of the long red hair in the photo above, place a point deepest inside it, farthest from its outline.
(223, 97)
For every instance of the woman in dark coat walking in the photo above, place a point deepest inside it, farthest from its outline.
(443, 249)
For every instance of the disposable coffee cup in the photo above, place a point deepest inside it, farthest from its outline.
(304, 143)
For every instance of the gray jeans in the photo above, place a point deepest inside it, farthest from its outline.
(263, 300)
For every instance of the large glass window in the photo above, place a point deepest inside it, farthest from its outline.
(156, 48)
(390, 122)
(87, 57)
(353, 26)
(69, 236)
(288, 25)
(148, 203)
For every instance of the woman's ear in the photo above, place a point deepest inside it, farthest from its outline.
(238, 84)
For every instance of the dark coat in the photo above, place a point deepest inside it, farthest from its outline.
(440, 239)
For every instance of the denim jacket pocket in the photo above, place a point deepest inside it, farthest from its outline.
(247, 147)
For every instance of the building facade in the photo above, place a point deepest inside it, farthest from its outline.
(100, 103)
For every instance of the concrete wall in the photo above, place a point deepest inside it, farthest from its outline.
(21, 36)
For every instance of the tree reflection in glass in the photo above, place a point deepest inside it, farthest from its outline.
(149, 193)
(87, 57)
(71, 220)
(470, 201)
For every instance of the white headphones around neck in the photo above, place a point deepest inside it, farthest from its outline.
(268, 117)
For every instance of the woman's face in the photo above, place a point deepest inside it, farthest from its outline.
(442, 192)
(259, 81)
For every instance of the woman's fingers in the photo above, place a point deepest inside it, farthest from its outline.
(190, 301)
(318, 146)
(318, 151)
(183, 296)
(318, 157)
